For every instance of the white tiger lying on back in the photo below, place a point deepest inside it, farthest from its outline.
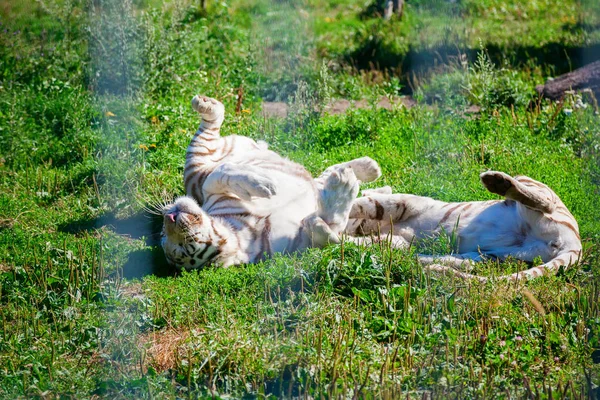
(531, 222)
(245, 201)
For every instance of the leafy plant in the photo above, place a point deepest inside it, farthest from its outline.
(489, 87)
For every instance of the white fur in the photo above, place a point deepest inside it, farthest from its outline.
(253, 201)
(532, 222)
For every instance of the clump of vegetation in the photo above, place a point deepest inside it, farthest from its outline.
(482, 84)
(491, 87)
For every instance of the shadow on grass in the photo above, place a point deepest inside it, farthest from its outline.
(142, 226)
(580, 26)
(146, 262)
(375, 54)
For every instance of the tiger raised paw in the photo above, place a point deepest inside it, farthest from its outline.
(530, 222)
(245, 202)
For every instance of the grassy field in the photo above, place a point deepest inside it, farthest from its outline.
(95, 118)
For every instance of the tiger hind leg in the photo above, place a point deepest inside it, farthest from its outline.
(524, 190)
(389, 208)
(321, 234)
(365, 168)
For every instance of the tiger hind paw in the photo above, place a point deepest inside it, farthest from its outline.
(365, 168)
(335, 202)
(497, 182)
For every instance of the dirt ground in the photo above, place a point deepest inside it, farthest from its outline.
(339, 106)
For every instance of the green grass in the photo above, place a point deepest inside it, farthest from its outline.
(94, 123)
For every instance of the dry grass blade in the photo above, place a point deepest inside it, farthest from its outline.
(164, 347)
(534, 302)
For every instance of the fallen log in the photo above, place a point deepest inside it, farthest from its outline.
(586, 77)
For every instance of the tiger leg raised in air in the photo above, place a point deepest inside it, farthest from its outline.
(211, 110)
(208, 150)
(339, 188)
(243, 181)
(205, 148)
(365, 169)
(522, 189)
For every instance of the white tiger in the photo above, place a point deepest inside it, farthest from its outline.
(531, 222)
(245, 202)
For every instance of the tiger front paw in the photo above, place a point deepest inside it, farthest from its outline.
(319, 232)
(210, 109)
(253, 186)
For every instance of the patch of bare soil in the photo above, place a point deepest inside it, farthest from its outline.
(275, 109)
(473, 109)
(164, 347)
(339, 106)
(133, 290)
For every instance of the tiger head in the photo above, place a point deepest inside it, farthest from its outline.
(189, 239)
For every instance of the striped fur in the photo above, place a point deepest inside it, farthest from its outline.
(530, 222)
(245, 202)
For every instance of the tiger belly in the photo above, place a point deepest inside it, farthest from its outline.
(492, 228)
(483, 227)
(295, 200)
